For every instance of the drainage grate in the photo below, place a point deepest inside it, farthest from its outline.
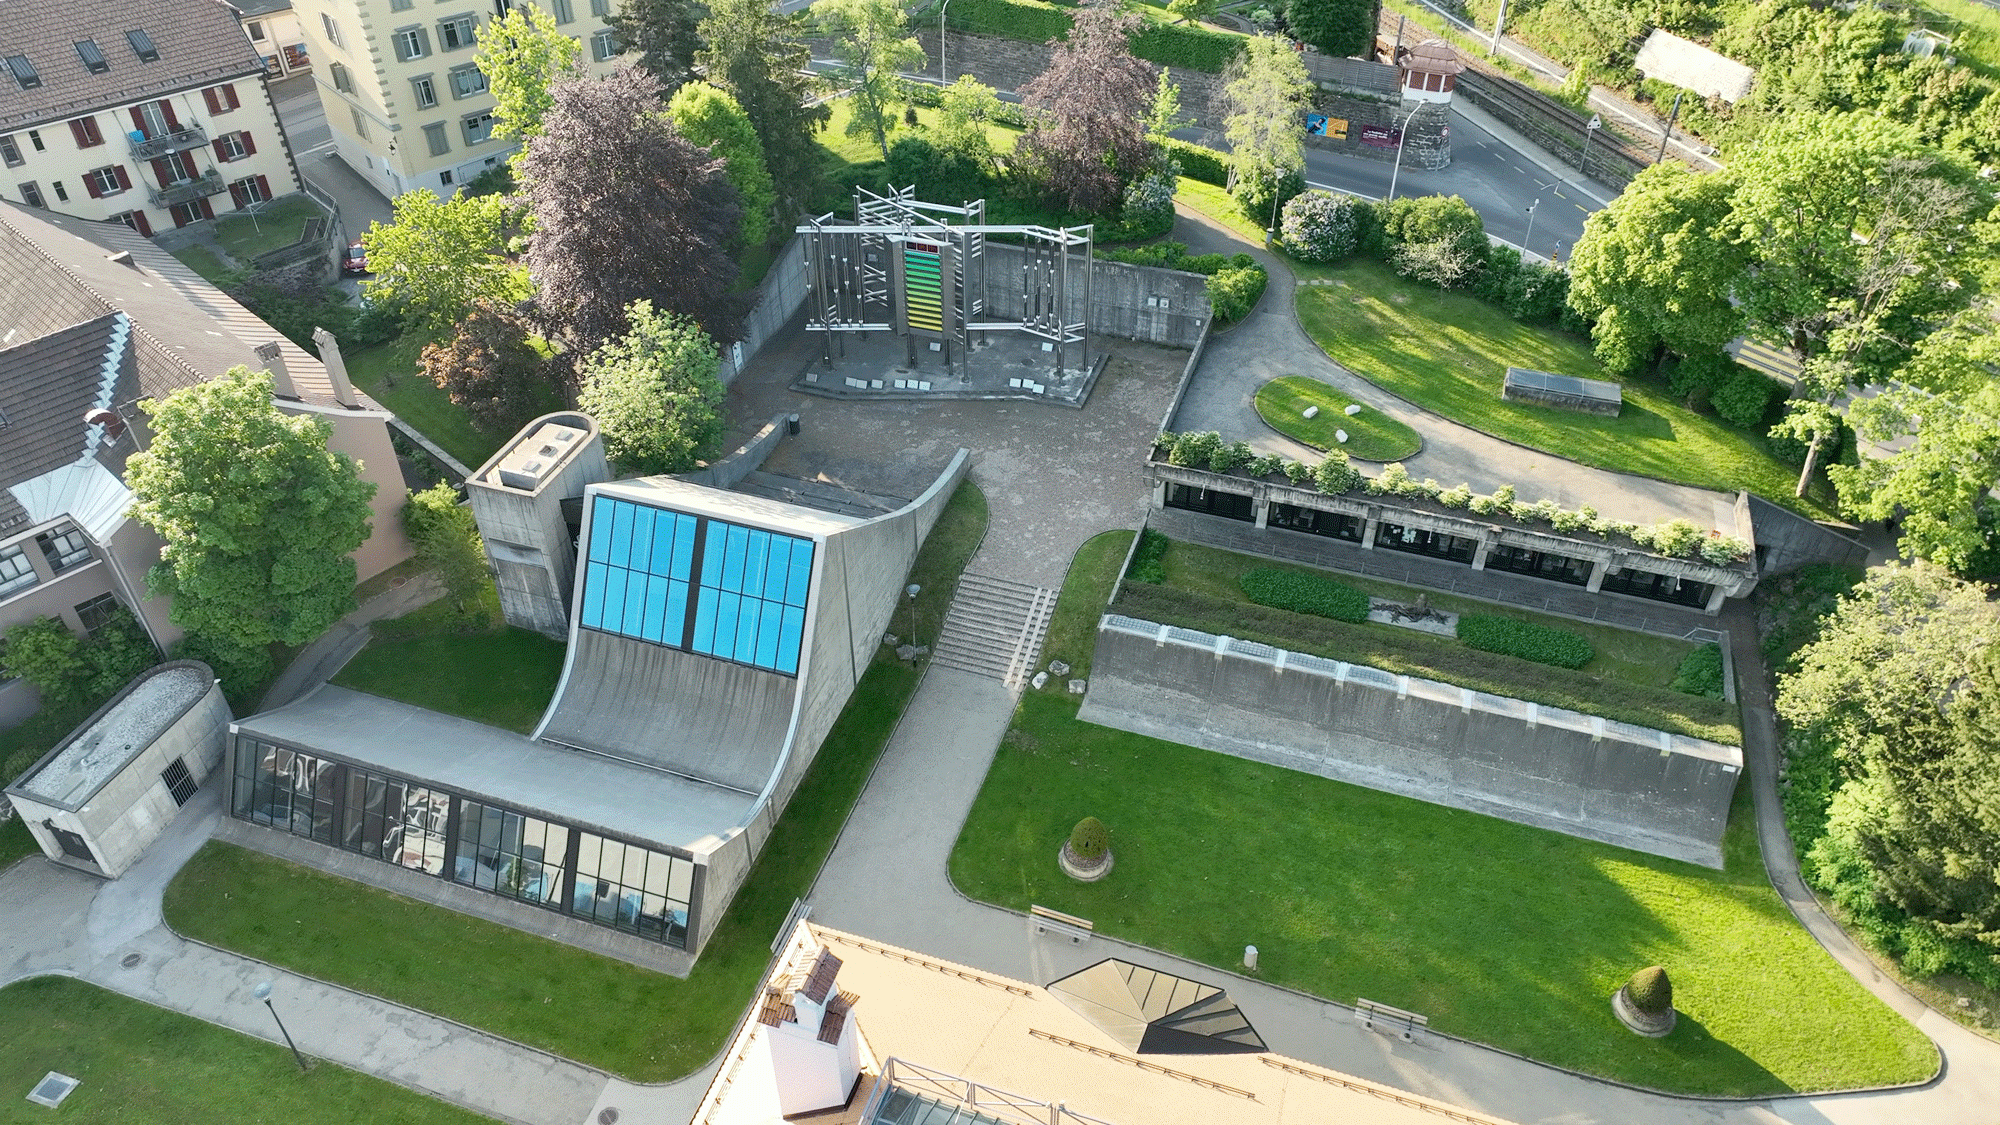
(607, 1116)
(131, 960)
(52, 1089)
(179, 781)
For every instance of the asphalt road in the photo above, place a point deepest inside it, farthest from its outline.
(1499, 182)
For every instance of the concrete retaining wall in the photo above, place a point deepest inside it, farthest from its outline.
(1144, 303)
(1631, 786)
(778, 298)
(1787, 540)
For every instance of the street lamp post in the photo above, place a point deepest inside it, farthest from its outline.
(1402, 139)
(263, 992)
(1589, 130)
(913, 590)
(943, 80)
(1530, 236)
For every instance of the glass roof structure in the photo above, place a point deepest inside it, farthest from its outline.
(697, 584)
(1150, 1012)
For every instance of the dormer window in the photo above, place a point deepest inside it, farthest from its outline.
(93, 59)
(24, 72)
(142, 45)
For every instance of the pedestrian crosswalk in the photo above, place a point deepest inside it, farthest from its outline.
(1775, 362)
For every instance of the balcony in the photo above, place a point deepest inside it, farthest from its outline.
(180, 140)
(187, 191)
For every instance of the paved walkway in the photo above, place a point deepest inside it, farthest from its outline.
(1269, 343)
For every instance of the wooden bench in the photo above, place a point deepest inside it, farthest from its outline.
(1406, 1024)
(1062, 925)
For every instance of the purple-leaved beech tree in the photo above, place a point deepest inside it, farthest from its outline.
(1089, 108)
(626, 209)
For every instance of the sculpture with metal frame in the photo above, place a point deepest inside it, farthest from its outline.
(920, 270)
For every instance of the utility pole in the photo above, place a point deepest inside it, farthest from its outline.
(1499, 22)
(1530, 236)
(943, 80)
(1402, 139)
(1669, 134)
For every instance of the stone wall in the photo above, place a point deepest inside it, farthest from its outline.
(1634, 787)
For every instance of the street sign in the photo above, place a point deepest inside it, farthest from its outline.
(1596, 122)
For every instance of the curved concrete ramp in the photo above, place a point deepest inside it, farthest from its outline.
(695, 715)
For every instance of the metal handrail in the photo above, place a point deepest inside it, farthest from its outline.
(179, 140)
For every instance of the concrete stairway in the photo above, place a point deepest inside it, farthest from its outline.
(994, 628)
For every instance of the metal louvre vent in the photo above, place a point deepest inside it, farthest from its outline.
(179, 781)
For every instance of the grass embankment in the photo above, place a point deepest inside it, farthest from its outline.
(1499, 932)
(1371, 435)
(502, 677)
(389, 373)
(203, 261)
(553, 996)
(1449, 352)
(142, 1065)
(1626, 680)
(1219, 205)
(245, 236)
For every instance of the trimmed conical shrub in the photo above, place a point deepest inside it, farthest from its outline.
(1089, 840)
(1650, 991)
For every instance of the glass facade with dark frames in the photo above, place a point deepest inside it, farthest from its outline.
(1417, 541)
(1333, 525)
(1229, 505)
(558, 867)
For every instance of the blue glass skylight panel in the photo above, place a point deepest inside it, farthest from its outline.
(748, 604)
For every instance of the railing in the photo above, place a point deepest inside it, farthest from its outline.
(207, 184)
(180, 140)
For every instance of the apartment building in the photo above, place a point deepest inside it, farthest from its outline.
(150, 112)
(273, 28)
(407, 105)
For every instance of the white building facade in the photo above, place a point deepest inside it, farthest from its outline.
(152, 113)
(407, 106)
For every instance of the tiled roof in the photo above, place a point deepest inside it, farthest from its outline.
(261, 7)
(63, 271)
(47, 385)
(198, 42)
(820, 981)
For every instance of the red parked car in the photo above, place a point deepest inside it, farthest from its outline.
(355, 261)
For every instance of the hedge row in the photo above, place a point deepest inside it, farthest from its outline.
(1305, 593)
(1412, 653)
(1524, 639)
(1149, 560)
(1199, 162)
(1700, 672)
(1195, 48)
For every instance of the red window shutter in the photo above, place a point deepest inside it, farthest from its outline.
(124, 177)
(90, 185)
(210, 99)
(207, 212)
(249, 146)
(182, 215)
(163, 171)
(167, 108)
(220, 152)
(80, 132)
(229, 96)
(138, 119)
(236, 195)
(264, 185)
(139, 217)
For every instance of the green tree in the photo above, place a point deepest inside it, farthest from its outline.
(711, 118)
(666, 33)
(964, 109)
(1086, 141)
(1165, 116)
(871, 37)
(77, 674)
(522, 54)
(758, 56)
(1341, 28)
(1856, 235)
(440, 256)
(1190, 11)
(446, 538)
(1904, 683)
(655, 394)
(1941, 484)
(490, 370)
(260, 518)
(1266, 91)
(1659, 255)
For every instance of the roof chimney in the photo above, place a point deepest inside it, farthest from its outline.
(123, 258)
(273, 357)
(336, 368)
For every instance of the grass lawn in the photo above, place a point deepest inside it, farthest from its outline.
(142, 1065)
(553, 996)
(1448, 352)
(245, 236)
(502, 678)
(1371, 435)
(15, 841)
(203, 261)
(1627, 679)
(1072, 635)
(388, 372)
(1217, 204)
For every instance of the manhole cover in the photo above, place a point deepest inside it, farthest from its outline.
(131, 960)
(607, 1116)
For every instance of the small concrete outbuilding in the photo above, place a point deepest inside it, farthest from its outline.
(108, 790)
